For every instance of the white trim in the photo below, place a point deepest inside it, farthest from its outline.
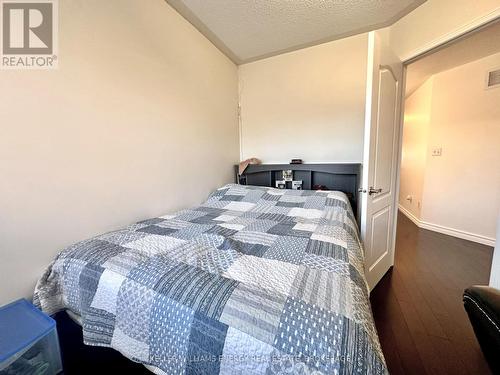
(447, 230)
(409, 215)
(367, 130)
(474, 24)
(240, 122)
(399, 159)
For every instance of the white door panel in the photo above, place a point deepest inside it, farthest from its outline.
(384, 151)
(380, 158)
(379, 241)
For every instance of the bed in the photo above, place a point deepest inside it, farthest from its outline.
(255, 280)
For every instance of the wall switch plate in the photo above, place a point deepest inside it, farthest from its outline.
(437, 151)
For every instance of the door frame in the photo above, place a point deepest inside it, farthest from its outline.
(376, 62)
(426, 50)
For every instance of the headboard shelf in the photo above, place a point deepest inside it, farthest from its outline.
(343, 177)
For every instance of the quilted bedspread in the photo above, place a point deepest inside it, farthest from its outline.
(254, 281)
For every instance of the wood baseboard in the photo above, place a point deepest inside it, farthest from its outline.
(447, 230)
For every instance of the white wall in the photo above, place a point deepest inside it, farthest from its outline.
(414, 155)
(435, 21)
(139, 120)
(306, 104)
(462, 187)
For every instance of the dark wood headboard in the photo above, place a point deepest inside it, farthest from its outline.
(341, 177)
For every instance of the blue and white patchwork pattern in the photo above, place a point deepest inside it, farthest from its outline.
(254, 281)
(169, 334)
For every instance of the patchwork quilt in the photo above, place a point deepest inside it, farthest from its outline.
(254, 281)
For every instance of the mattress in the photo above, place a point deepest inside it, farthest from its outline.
(253, 281)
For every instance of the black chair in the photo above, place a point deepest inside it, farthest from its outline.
(482, 304)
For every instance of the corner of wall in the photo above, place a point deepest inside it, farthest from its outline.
(240, 122)
(430, 83)
(415, 147)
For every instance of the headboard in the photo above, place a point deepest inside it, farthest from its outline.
(341, 177)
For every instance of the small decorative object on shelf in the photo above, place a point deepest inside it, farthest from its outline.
(245, 163)
(240, 168)
(319, 187)
(288, 175)
(281, 184)
(28, 341)
(296, 161)
(297, 185)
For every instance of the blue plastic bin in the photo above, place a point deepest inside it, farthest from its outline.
(28, 341)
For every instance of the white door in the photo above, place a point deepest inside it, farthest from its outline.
(379, 198)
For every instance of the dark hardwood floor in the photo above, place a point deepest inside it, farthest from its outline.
(417, 306)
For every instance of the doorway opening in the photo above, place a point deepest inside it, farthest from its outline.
(450, 142)
(449, 201)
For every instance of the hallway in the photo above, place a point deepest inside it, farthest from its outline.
(418, 307)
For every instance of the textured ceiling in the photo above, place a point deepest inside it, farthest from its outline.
(248, 30)
(479, 44)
